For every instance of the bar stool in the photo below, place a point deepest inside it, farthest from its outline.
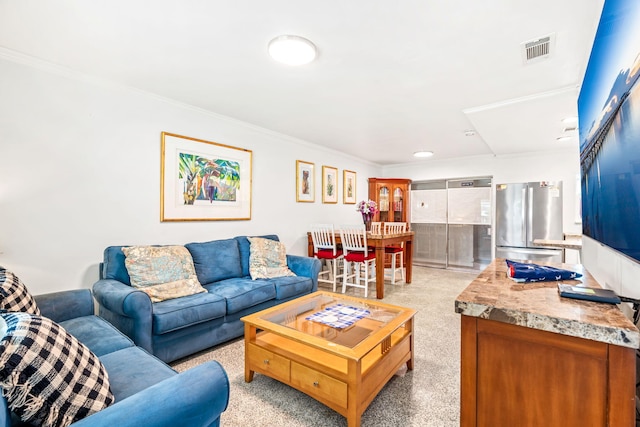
(325, 249)
(395, 251)
(356, 252)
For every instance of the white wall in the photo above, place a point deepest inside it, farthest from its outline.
(80, 170)
(611, 269)
(562, 166)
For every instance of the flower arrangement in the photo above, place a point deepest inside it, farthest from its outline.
(368, 207)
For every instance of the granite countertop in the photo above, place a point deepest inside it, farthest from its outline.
(493, 295)
(572, 243)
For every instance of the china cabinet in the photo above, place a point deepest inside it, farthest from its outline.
(392, 198)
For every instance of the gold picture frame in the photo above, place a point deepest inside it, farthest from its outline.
(203, 180)
(305, 182)
(349, 187)
(329, 184)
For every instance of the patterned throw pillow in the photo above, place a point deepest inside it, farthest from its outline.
(268, 258)
(14, 296)
(48, 377)
(163, 272)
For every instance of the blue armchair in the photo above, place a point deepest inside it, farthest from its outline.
(147, 392)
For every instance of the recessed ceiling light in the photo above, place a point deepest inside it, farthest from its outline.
(292, 50)
(423, 154)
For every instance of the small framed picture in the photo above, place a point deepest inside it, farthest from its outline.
(349, 190)
(329, 184)
(305, 182)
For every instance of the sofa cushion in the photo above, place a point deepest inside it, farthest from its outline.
(97, 334)
(216, 260)
(49, 377)
(268, 258)
(163, 272)
(178, 313)
(132, 370)
(241, 293)
(291, 286)
(244, 246)
(14, 295)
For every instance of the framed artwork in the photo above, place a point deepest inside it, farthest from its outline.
(329, 184)
(203, 180)
(305, 181)
(349, 190)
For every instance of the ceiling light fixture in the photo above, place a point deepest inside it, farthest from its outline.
(292, 50)
(423, 153)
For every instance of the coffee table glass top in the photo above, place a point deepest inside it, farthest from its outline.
(338, 319)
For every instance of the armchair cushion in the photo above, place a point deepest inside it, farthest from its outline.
(49, 377)
(132, 370)
(97, 334)
(268, 258)
(14, 296)
(162, 272)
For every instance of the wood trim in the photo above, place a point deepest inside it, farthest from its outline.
(621, 405)
(468, 371)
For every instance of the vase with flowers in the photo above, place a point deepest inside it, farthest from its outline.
(368, 208)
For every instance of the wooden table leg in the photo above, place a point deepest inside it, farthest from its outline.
(409, 254)
(379, 271)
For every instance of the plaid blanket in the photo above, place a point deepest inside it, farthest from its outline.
(339, 316)
(525, 272)
(14, 296)
(48, 377)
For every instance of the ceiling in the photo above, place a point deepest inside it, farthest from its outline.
(392, 77)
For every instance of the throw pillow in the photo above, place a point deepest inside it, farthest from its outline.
(48, 377)
(267, 258)
(14, 296)
(163, 272)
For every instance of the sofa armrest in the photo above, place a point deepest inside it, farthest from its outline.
(127, 308)
(195, 397)
(305, 266)
(65, 305)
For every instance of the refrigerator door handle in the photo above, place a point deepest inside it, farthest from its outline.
(524, 213)
(529, 215)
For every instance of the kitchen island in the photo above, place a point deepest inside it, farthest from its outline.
(532, 358)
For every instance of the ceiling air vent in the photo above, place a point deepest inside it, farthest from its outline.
(538, 48)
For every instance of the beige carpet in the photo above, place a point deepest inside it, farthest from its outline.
(426, 396)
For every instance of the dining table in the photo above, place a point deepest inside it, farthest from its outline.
(379, 242)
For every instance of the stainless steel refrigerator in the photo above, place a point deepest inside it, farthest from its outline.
(528, 211)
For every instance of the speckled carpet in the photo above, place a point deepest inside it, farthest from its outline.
(426, 396)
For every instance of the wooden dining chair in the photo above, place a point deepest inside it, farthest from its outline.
(326, 250)
(376, 228)
(359, 255)
(396, 252)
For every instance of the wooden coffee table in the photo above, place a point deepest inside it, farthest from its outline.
(341, 364)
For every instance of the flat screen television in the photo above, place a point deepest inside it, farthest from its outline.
(609, 129)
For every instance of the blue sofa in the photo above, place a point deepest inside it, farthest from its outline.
(179, 327)
(147, 392)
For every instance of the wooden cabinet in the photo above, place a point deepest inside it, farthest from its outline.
(517, 376)
(392, 198)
